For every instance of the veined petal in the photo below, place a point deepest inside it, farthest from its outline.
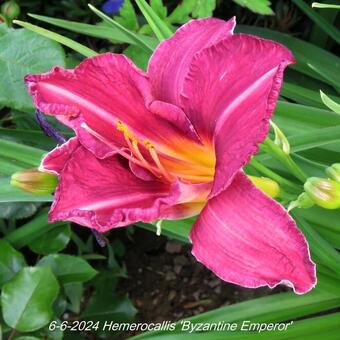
(101, 91)
(229, 96)
(247, 238)
(104, 194)
(55, 160)
(171, 60)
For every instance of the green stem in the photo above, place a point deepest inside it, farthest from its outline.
(274, 176)
(270, 147)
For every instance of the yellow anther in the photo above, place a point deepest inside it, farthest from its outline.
(127, 133)
(148, 144)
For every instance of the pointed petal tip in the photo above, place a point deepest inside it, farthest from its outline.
(246, 238)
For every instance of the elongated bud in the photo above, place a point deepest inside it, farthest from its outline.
(10, 10)
(333, 172)
(280, 139)
(323, 192)
(267, 185)
(303, 201)
(34, 181)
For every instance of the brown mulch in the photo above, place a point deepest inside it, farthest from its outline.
(166, 283)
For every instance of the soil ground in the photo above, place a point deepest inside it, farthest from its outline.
(166, 283)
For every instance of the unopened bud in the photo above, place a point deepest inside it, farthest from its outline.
(34, 181)
(10, 10)
(303, 201)
(280, 139)
(267, 185)
(323, 192)
(333, 172)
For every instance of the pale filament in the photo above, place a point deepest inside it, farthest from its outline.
(137, 158)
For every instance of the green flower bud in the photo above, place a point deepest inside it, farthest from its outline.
(323, 192)
(34, 181)
(10, 10)
(333, 172)
(2, 19)
(303, 201)
(267, 185)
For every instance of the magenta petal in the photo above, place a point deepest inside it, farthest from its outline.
(56, 159)
(170, 62)
(100, 91)
(104, 194)
(247, 238)
(229, 96)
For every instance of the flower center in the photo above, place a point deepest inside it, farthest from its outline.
(193, 162)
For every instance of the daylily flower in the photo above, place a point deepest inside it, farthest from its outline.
(171, 143)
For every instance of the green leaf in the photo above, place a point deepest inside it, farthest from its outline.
(331, 104)
(68, 268)
(181, 14)
(319, 5)
(23, 52)
(23, 153)
(138, 56)
(27, 337)
(53, 241)
(127, 16)
(326, 65)
(85, 51)
(27, 299)
(18, 210)
(138, 41)
(257, 6)
(159, 8)
(104, 306)
(101, 30)
(204, 8)
(332, 31)
(159, 27)
(74, 292)
(274, 308)
(32, 230)
(11, 261)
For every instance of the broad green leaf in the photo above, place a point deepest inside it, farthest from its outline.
(85, 51)
(127, 16)
(257, 6)
(138, 41)
(27, 299)
(104, 306)
(181, 14)
(53, 241)
(331, 104)
(332, 31)
(23, 52)
(11, 261)
(159, 27)
(74, 292)
(27, 337)
(68, 268)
